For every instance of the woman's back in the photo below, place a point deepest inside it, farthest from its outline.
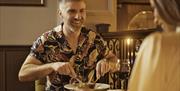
(158, 64)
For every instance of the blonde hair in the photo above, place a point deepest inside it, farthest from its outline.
(169, 10)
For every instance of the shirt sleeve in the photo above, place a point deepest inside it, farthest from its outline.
(37, 49)
(101, 46)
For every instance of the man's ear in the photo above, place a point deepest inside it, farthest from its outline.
(59, 13)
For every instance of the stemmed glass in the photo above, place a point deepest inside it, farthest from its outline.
(122, 74)
(114, 76)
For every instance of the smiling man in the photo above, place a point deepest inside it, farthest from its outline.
(68, 51)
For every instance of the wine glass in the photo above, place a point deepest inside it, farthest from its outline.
(121, 75)
(114, 75)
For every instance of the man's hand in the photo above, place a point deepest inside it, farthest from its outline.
(102, 68)
(64, 68)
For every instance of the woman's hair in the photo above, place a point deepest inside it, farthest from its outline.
(169, 10)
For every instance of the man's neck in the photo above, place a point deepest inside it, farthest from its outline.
(72, 37)
(70, 34)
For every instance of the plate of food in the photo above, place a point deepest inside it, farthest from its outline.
(87, 86)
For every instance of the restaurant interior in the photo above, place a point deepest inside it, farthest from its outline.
(122, 23)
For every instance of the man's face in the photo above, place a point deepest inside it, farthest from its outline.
(74, 14)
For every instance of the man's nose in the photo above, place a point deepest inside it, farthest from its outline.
(78, 15)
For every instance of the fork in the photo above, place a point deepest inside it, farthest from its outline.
(90, 80)
(78, 80)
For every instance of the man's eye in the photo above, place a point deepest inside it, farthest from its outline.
(82, 11)
(72, 11)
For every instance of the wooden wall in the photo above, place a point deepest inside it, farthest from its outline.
(11, 59)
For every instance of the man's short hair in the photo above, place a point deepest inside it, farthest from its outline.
(69, 0)
(64, 1)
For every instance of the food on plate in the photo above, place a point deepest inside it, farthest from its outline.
(86, 85)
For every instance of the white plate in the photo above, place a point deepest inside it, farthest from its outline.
(98, 86)
(115, 90)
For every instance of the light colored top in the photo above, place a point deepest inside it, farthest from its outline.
(157, 66)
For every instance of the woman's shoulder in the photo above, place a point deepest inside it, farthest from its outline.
(161, 37)
(154, 37)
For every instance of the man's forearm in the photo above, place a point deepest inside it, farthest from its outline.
(31, 72)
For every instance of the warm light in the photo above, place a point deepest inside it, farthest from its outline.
(118, 61)
(144, 12)
(128, 41)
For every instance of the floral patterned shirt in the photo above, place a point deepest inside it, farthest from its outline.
(53, 47)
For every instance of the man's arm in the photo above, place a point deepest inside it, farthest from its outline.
(107, 64)
(112, 60)
(33, 69)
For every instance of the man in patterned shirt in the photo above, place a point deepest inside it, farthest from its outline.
(68, 51)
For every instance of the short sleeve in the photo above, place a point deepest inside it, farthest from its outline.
(37, 49)
(101, 46)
